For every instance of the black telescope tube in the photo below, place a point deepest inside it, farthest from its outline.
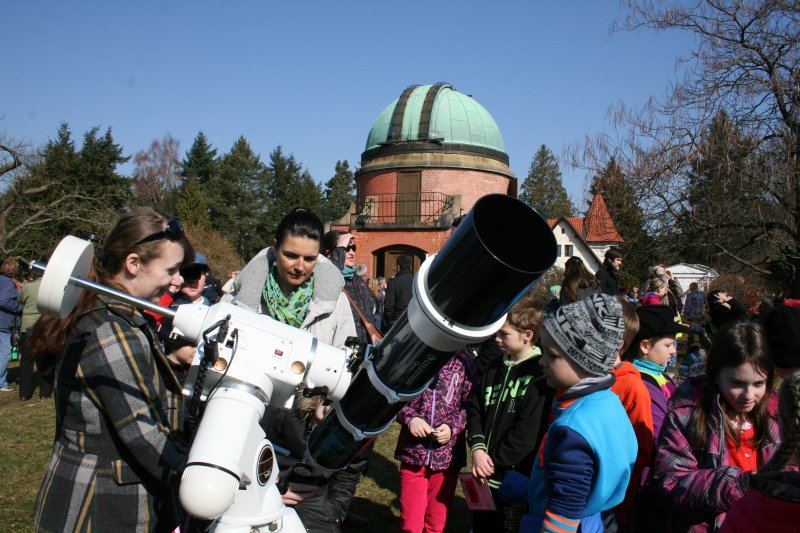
(493, 257)
(497, 252)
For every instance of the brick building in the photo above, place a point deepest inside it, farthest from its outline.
(429, 156)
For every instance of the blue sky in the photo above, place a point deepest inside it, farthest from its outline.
(313, 76)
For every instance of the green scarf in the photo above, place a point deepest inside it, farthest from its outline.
(291, 310)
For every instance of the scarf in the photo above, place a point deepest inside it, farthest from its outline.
(348, 272)
(291, 310)
(652, 369)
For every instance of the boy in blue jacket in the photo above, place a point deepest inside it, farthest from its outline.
(585, 461)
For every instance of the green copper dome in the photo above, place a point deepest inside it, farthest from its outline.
(435, 118)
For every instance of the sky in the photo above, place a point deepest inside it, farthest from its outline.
(312, 76)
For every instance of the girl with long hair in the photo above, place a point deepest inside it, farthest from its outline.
(578, 282)
(118, 450)
(720, 429)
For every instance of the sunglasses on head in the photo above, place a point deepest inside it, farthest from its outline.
(173, 231)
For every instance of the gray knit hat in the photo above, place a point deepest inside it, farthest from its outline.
(589, 331)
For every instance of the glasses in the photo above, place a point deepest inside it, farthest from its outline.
(173, 231)
(192, 273)
(351, 248)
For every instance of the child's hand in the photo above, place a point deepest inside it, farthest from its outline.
(442, 434)
(419, 428)
(482, 465)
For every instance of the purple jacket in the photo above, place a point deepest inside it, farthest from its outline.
(658, 400)
(444, 402)
(699, 484)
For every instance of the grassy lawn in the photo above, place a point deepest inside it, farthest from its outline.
(26, 436)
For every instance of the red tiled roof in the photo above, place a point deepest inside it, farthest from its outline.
(597, 226)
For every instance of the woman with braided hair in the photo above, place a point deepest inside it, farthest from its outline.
(772, 503)
(721, 429)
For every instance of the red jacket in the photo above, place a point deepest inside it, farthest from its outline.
(772, 503)
(636, 400)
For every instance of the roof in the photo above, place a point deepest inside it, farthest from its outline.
(438, 115)
(597, 226)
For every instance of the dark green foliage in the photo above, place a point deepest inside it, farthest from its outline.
(289, 187)
(190, 204)
(620, 198)
(201, 160)
(543, 189)
(238, 199)
(64, 191)
(338, 192)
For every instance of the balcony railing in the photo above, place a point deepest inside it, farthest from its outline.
(404, 210)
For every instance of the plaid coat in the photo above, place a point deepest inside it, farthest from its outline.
(118, 450)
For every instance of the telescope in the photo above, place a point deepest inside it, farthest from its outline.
(246, 360)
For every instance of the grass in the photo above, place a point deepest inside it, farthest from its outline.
(26, 438)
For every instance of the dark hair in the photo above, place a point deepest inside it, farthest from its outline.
(576, 276)
(404, 262)
(736, 344)
(789, 412)
(693, 286)
(329, 242)
(631, 324)
(299, 222)
(613, 253)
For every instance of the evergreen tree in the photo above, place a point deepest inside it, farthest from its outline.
(190, 204)
(237, 197)
(201, 160)
(711, 229)
(62, 192)
(289, 186)
(338, 192)
(543, 189)
(627, 217)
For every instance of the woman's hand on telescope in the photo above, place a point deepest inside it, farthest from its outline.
(419, 428)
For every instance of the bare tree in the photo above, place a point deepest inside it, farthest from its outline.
(746, 64)
(158, 171)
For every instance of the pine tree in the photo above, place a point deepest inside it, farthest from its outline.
(289, 186)
(190, 204)
(237, 199)
(201, 160)
(624, 210)
(338, 192)
(543, 189)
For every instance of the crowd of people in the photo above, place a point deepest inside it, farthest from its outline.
(602, 409)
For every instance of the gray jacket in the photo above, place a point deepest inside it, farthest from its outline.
(329, 318)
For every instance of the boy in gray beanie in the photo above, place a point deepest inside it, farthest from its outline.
(568, 485)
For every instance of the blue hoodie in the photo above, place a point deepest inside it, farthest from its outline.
(583, 465)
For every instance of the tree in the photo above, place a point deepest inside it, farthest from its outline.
(745, 63)
(157, 172)
(190, 204)
(543, 189)
(238, 199)
(289, 186)
(623, 207)
(61, 191)
(709, 226)
(338, 192)
(200, 161)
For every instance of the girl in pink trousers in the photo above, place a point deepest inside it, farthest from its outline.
(431, 447)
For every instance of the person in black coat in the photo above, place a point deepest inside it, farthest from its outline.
(398, 291)
(608, 273)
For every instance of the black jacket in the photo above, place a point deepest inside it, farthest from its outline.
(511, 424)
(608, 277)
(398, 294)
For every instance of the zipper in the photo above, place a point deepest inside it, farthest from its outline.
(497, 405)
(430, 440)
